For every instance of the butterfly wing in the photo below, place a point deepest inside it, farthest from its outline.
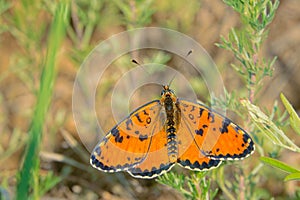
(190, 154)
(213, 135)
(157, 161)
(192, 158)
(127, 144)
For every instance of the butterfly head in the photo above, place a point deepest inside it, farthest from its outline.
(168, 93)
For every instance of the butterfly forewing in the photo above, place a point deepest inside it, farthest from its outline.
(127, 144)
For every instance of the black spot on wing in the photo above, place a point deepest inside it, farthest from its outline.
(143, 137)
(129, 124)
(211, 117)
(201, 112)
(199, 132)
(116, 134)
(145, 113)
(226, 122)
(119, 139)
(138, 117)
(193, 108)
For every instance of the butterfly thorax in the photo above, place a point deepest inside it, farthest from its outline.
(171, 105)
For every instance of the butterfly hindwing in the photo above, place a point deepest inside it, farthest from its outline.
(157, 161)
(193, 159)
(215, 135)
(190, 154)
(127, 144)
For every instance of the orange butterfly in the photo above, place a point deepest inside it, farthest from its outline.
(161, 133)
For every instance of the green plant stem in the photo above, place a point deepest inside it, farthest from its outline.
(221, 183)
(47, 79)
(245, 44)
(252, 80)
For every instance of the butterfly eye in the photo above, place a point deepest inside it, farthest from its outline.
(162, 93)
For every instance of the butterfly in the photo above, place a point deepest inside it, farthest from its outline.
(169, 131)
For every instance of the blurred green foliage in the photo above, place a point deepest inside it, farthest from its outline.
(38, 31)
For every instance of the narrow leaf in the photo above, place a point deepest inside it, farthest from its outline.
(293, 176)
(263, 122)
(47, 79)
(294, 118)
(278, 164)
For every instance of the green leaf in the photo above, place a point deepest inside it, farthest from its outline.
(47, 80)
(278, 164)
(266, 126)
(293, 176)
(294, 118)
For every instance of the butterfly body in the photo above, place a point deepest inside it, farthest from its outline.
(161, 133)
(173, 113)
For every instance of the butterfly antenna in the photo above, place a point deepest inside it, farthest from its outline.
(169, 84)
(188, 53)
(137, 63)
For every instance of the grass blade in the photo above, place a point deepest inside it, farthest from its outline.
(294, 118)
(47, 80)
(279, 165)
(293, 176)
